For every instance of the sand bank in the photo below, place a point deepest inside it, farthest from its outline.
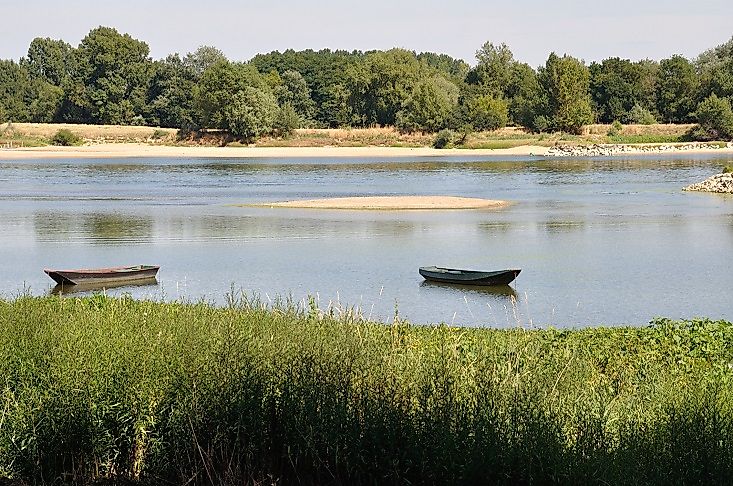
(391, 203)
(113, 150)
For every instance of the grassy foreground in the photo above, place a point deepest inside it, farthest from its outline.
(100, 387)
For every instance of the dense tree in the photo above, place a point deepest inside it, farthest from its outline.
(109, 78)
(567, 81)
(616, 86)
(294, 92)
(456, 69)
(494, 70)
(527, 98)
(217, 88)
(13, 89)
(677, 86)
(715, 118)
(202, 59)
(251, 112)
(325, 73)
(116, 72)
(487, 113)
(382, 83)
(170, 98)
(50, 60)
(429, 106)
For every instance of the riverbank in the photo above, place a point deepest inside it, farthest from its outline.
(104, 388)
(125, 150)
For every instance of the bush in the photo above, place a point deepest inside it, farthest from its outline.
(715, 119)
(540, 124)
(286, 121)
(443, 139)
(488, 113)
(159, 134)
(641, 116)
(728, 169)
(65, 138)
(616, 128)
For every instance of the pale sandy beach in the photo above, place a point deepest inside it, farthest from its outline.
(122, 150)
(391, 203)
(112, 150)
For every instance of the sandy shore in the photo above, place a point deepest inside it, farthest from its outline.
(390, 203)
(112, 150)
(120, 150)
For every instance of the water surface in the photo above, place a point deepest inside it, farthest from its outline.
(600, 241)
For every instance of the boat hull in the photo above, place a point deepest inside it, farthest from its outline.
(469, 277)
(103, 275)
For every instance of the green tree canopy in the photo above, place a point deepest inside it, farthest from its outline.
(429, 106)
(677, 86)
(616, 86)
(567, 81)
(251, 112)
(217, 87)
(116, 72)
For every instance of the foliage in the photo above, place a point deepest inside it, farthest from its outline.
(251, 113)
(110, 78)
(293, 91)
(715, 118)
(567, 82)
(676, 88)
(641, 116)
(286, 121)
(617, 86)
(429, 106)
(65, 137)
(100, 389)
(487, 113)
(616, 128)
(444, 139)
(727, 169)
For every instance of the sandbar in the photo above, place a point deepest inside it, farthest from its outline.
(390, 203)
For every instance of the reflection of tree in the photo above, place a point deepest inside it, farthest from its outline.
(55, 226)
(113, 227)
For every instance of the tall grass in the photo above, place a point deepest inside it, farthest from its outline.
(100, 387)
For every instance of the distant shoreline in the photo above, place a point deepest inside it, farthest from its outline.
(126, 150)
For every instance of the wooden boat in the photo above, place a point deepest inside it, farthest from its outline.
(469, 277)
(102, 275)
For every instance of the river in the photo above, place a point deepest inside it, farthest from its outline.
(603, 241)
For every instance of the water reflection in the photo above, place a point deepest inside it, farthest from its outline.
(62, 289)
(498, 291)
(99, 228)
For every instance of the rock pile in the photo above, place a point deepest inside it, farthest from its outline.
(718, 183)
(602, 150)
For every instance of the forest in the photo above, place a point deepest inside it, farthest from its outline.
(110, 78)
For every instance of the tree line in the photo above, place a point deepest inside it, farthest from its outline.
(110, 78)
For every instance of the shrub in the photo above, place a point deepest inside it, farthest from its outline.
(540, 124)
(488, 113)
(65, 138)
(159, 134)
(715, 119)
(443, 139)
(728, 169)
(286, 121)
(640, 115)
(615, 129)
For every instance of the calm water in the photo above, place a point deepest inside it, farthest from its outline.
(603, 241)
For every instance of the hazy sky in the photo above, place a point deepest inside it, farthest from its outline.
(632, 29)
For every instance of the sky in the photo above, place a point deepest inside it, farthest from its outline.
(592, 31)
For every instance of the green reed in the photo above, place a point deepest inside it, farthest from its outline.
(99, 387)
